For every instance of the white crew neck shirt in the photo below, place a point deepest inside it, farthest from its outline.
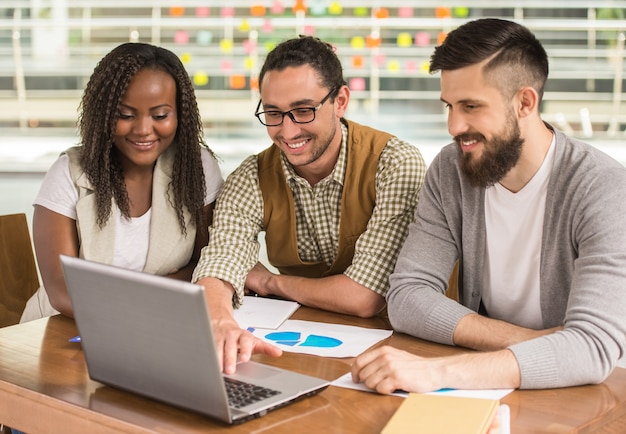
(514, 226)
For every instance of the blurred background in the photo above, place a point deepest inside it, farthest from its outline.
(48, 49)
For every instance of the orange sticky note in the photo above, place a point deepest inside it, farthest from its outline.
(299, 6)
(177, 11)
(381, 13)
(443, 12)
(237, 81)
(373, 41)
(358, 62)
(257, 10)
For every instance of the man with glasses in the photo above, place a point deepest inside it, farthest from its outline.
(333, 197)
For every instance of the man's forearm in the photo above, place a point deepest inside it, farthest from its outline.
(219, 297)
(336, 293)
(487, 334)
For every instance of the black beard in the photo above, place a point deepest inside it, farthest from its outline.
(499, 156)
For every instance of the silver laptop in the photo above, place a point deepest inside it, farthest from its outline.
(151, 335)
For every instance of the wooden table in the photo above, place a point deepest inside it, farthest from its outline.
(44, 387)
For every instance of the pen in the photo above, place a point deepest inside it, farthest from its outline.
(75, 339)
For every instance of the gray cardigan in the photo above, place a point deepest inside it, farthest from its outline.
(583, 265)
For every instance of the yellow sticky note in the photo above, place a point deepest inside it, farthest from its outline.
(200, 78)
(357, 42)
(226, 45)
(185, 58)
(404, 39)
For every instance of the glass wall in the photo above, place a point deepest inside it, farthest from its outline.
(48, 49)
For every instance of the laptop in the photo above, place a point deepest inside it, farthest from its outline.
(151, 335)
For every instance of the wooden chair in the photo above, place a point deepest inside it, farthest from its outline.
(453, 283)
(18, 271)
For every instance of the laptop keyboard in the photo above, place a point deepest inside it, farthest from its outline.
(241, 394)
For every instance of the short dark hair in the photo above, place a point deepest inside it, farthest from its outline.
(306, 50)
(517, 58)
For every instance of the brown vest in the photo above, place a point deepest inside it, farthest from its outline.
(358, 199)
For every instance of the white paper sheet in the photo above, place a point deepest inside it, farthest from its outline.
(346, 381)
(322, 339)
(264, 312)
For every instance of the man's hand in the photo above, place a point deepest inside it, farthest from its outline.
(235, 343)
(258, 280)
(231, 341)
(387, 369)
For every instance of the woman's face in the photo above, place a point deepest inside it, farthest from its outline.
(147, 118)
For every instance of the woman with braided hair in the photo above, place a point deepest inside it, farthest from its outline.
(139, 190)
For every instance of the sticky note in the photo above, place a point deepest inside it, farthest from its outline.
(204, 37)
(226, 45)
(185, 58)
(357, 42)
(357, 83)
(177, 11)
(277, 7)
(203, 11)
(257, 10)
(181, 37)
(200, 78)
(405, 12)
(404, 39)
(237, 81)
(358, 62)
(335, 8)
(422, 39)
(381, 13)
(227, 12)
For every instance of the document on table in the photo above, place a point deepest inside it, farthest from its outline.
(321, 339)
(346, 381)
(263, 312)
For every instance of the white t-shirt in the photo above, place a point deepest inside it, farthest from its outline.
(130, 249)
(514, 223)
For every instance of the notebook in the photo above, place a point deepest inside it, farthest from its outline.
(151, 335)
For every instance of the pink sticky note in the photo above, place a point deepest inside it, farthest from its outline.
(422, 39)
(309, 30)
(405, 12)
(249, 46)
(411, 66)
(227, 12)
(379, 59)
(268, 26)
(181, 37)
(203, 11)
(277, 7)
(357, 84)
(226, 65)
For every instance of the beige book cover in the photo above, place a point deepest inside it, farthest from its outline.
(433, 414)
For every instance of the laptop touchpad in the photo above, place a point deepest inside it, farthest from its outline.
(256, 370)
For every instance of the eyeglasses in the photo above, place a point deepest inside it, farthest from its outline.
(300, 115)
